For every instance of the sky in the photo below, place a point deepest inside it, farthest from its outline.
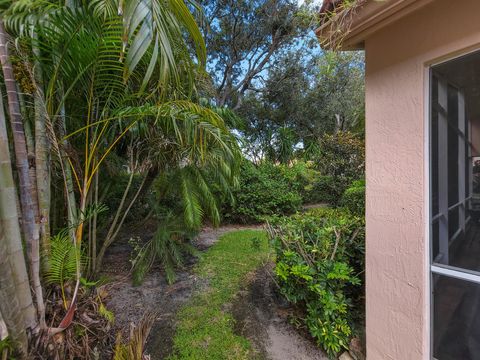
(315, 2)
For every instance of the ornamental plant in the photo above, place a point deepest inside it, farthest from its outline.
(264, 191)
(354, 198)
(319, 267)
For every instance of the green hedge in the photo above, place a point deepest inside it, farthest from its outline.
(325, 190)
(264, 191)
(319, 262)
(354, 198)
(302, 178)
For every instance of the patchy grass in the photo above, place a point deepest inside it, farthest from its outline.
(205, 328)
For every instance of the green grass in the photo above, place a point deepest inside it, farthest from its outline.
(205, 329)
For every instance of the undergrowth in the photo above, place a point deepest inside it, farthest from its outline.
(205, 328)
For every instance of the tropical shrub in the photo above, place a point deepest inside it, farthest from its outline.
(340, 156)
(61, 264)
(182, 199)
(319, 262)
(302, 178)
(168, 247)
(263, 191)
(325, 190)
(354, 198)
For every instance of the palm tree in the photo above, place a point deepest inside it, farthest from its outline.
(109, 67)
(29, 203)
(114, 67)
(16, 305)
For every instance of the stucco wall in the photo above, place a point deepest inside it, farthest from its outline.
(398, 319)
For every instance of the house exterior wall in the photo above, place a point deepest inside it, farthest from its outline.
(397, 261)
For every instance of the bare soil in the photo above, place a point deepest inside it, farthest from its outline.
(260, 313)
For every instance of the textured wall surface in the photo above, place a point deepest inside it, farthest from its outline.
(398, 56)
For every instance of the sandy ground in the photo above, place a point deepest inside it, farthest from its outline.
(260, 313)
(262, 317)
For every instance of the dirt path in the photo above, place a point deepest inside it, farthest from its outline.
(259, 316)
(262, 317)
(315, 206)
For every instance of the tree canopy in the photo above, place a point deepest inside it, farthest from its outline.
(243, 38)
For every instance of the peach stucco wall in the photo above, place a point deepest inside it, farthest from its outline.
(397, 57)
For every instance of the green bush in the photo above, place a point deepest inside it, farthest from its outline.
(354, 198)
(341, 155)
(324, 190)
(319, 262)
(263, 191)
(302, 178)
(341, 159)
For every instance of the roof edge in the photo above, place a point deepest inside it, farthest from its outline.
(348, 29)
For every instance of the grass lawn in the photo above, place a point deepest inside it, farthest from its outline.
(205, 329)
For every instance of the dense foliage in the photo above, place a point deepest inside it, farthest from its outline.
(354, 198)
(302, 178)
(324, 190)
(264, 191)
(305, 95)
(319, 267)
(243, 39)
(341, 157)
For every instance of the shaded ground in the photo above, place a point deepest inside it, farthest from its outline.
(260, 313)
(262, 317)
(129, 302)
(315, 206)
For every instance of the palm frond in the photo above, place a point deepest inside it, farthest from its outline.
(168, 246)
(61, 262)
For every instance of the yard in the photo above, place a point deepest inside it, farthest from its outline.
(175, 185)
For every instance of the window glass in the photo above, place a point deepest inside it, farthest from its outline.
(455, 208)
(456, 318)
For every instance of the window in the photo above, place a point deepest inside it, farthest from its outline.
(455, 208)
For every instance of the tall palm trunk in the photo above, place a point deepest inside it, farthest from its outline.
(28, 202)
(15, 298)
(9, 302)
(72, 214)
(41, 151)
(118, 221)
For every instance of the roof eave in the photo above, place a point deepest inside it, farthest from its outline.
(367, 19)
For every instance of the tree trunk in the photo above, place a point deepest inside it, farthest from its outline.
(94, 229)
(72, 214)
(28, 202)
(17, 311)
(9, 301)
(114, 227)
(30, 141)
(42, 150)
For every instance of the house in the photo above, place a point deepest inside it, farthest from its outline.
(422, 171)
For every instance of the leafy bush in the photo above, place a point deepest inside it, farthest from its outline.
(320, 256)
(182, 199)
(342, 157)
(324, 190)
(354, 198)
(168, 246)
(302, 178)
(264, 191)
(60, 267)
